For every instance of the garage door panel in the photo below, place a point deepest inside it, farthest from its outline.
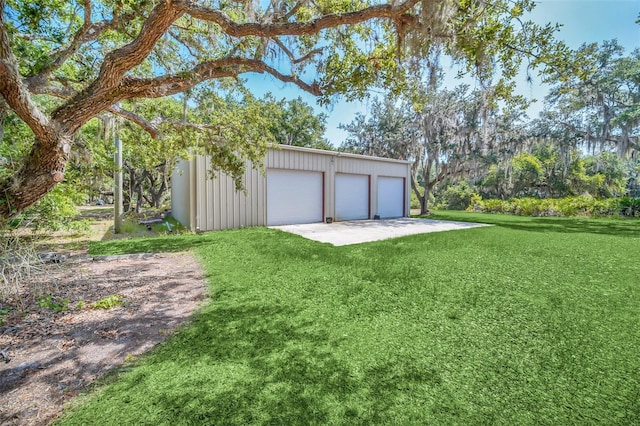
(294, 196)
(352, 197)
(391, 193)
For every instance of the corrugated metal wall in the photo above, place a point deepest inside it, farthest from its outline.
(180, 193)
(220, 206)
(217, 205)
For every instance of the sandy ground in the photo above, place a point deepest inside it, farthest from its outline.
(56, 355)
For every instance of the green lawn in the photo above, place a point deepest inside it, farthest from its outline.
(532, 321)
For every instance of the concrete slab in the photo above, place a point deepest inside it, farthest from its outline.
(363, 231)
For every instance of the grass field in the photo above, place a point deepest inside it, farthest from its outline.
(531, 321)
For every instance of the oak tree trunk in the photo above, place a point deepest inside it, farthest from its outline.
(43, 170)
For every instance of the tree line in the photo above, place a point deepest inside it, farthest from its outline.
(585, 141)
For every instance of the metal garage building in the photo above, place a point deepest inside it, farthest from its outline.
(301, 185)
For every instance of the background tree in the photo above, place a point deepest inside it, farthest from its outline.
(598, 106)
(296, 123)
(386, 132)
(447, 134)
(544, 172)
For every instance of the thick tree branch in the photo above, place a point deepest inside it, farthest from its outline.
(226, 67)
(313, 26)
(100, 94)
(146, 125)
(121, 60)
(16, 94)
(66, 93)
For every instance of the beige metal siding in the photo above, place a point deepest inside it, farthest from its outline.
(285, 158)
(220, 206)
(369, 167)
(217, 205)
(180, 193)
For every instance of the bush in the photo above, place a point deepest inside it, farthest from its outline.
(456, 197)
(584, 205)
(629, 207)
(527, 206)
(55, 211)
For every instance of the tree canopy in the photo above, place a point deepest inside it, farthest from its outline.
(482, 138)
(64, 63)
(598, 105)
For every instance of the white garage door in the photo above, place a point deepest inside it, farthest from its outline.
(390, 197)
(294, 196)
(352, 197)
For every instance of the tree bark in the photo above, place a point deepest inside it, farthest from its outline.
(43, 170)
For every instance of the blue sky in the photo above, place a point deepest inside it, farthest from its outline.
(584, 21)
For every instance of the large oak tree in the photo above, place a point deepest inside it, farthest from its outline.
(95, 56)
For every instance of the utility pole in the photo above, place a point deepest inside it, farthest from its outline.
(117, 180)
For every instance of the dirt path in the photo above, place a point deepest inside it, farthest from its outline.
(55, 355)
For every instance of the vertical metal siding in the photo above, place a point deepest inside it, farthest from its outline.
(202, 194)
(219, 206)
(180, 193)
(209, 194)
(370, 167)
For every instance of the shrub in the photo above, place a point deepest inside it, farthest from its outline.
(584, 205)
(629, 207)
(456, 197)
(527, 206)
(56, 211)
(475, 203)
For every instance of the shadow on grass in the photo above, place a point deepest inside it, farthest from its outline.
(256, 364)
(168, 243)
(618, 227)
(160, 244)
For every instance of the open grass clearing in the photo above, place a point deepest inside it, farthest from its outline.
(532, 321)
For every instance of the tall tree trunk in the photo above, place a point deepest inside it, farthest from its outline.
(422, 197)
(157, 195)
(424, 200)
(139, 197)
(43, 170)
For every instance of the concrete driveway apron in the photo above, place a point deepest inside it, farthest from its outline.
(363, 231)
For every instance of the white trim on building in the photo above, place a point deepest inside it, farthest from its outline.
(298, 185)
